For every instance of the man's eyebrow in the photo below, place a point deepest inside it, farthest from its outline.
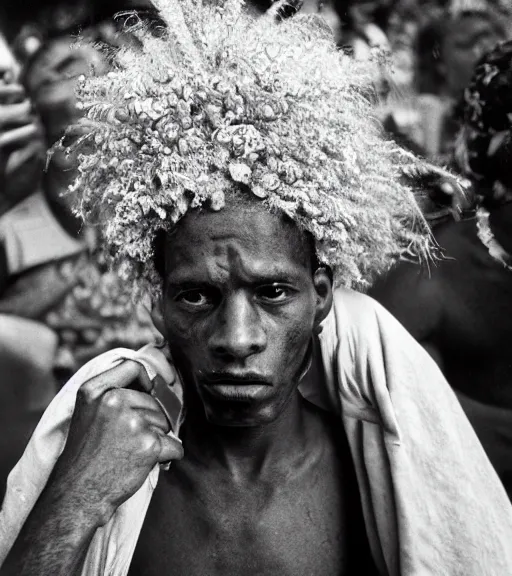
(274, 277)
(184, 280)
(187, 284)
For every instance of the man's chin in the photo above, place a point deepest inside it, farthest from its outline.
(238, 414)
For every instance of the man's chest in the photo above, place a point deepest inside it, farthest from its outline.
(299, 528)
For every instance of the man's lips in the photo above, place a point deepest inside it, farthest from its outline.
(248, 379)
(236, 387)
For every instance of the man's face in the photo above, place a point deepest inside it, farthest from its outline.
(241, 303)
(469, 38)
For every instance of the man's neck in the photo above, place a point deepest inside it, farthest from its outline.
(247, 452)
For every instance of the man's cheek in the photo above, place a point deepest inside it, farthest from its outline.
(186, 340)
(181, 328)
(294, 345)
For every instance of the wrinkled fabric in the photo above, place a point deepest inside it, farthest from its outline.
(432, 503)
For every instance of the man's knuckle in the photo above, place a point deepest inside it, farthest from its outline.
(83, 394)
(112, 399)
(135, 423)
(150, 444)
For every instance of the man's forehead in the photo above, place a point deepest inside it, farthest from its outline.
(257, 240)
(235, 266)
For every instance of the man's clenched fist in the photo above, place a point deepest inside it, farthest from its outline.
(116, 437)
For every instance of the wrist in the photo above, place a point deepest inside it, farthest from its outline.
(72, 505)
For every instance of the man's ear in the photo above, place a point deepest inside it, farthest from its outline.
(157, 315)
(322, 281)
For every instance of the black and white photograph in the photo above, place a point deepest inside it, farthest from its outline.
(255, 287)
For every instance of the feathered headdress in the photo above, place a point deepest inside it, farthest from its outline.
(222, 99)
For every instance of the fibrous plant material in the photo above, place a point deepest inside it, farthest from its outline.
(223, 100)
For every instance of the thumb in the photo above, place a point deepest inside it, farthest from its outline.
(171, 448)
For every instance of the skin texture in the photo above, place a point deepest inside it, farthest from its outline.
(460, 313)
(266, 484)
(293, 509)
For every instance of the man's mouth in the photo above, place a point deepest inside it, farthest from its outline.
(241, 387)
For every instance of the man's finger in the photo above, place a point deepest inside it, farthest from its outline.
(121, 376)
(141, 400)
(145, 405)
(136, 399)
(15, 113)
(170, 449)
(156, 419)
(144, 381)
(18, 135)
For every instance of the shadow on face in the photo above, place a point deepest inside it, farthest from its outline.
(241, 304)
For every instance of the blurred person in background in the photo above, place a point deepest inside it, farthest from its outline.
(461, 308)
(21, 140)
(59, 305)
(27, 348)
(447, 49)
(439, 44)
(358, 26)
(364, 25)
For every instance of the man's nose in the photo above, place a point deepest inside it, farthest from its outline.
(238, 332)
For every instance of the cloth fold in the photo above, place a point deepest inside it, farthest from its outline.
(432, 503)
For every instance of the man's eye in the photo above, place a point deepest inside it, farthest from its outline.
(274, 293)
(194, 298)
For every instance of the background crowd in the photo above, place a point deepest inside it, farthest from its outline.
(60, 305)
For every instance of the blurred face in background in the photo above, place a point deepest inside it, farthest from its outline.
(467, 39)
(22, 147)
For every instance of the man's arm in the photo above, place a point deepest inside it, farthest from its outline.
(115, 438)
(55, 538)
